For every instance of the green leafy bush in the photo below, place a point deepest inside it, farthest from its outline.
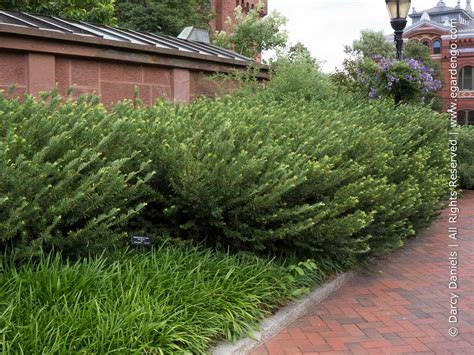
(70, 174)
(295, 73)
(177, 299)
(466, 156)
(338, 177)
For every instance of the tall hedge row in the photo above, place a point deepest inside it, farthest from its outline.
(339, 177)
(334, 177)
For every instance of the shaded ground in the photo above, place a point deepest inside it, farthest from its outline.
(402, 307)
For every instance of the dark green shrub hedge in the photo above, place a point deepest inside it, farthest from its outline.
(71, 175)
(466, 156)
(338, 177)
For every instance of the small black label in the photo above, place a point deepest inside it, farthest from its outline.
(141, 241)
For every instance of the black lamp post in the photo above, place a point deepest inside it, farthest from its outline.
(398, 10)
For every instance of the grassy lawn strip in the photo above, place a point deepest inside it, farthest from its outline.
(175, 299)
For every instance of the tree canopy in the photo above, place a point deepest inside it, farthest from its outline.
(371, 44)
(158, 16)
(371, 68)
(163, 16)
(251, 34)
(95, 11)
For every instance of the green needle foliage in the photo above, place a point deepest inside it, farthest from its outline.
(338, 177)
(69, 175)
(177, 299)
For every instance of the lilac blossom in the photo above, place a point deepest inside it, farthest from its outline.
(391, 76)
(373, 94)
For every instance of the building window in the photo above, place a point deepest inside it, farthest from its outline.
(466, 117)
(426, 43)
(466, 79)
(237, 3)
(437, 47)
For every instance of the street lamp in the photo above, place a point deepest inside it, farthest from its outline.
(398, 10)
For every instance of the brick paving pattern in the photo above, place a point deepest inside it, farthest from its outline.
(401, 307)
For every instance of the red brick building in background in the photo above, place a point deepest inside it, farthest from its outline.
(432, 28)
(223, 9)
(38, 53)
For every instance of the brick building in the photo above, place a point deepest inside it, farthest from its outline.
(223, 9)
(432, 28)
(38, 53)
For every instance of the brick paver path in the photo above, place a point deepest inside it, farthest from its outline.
(402, 307)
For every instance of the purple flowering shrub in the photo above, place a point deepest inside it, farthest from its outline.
(409, 80)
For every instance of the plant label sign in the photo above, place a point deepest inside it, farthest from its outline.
(141, 241)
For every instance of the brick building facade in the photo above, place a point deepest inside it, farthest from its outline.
(38, 53)
(223, 9)
(432, 27)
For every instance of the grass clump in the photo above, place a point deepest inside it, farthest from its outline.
(174, 299)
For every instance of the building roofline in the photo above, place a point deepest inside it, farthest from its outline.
(56, 45)
(191, 49)
(449, 10)
(425, 22)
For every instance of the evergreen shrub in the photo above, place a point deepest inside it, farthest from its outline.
(339, 177)
(71, 174)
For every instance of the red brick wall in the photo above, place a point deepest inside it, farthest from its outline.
(428, 34)
(466, 98)
(113, 81)
(200, 86)
(13, 70)
(203, 85)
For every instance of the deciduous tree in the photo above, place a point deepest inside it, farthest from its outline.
(250, 33)
(371, 44)
(96, 11)
(163, 16)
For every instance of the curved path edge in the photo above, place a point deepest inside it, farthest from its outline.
(272, 325)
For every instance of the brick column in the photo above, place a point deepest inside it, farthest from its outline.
(41, 73)
(181, 85)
